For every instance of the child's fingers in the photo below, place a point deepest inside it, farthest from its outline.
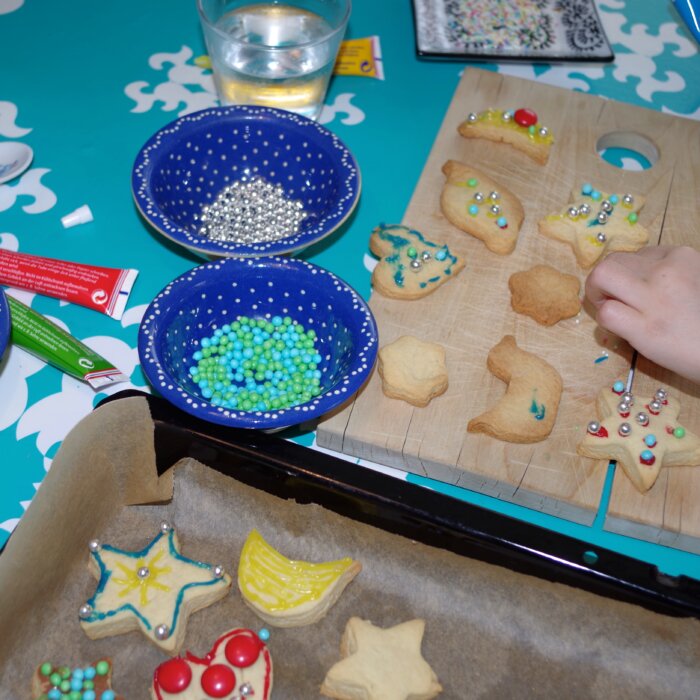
(622, 320)
(617, 279)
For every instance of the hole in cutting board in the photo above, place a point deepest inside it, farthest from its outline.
(627, 150)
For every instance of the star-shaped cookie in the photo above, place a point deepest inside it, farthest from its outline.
(413, 370)
(595, 224)
(381, 664)
(154, 589)
(479, 206)
(545, 294)
(641, 433)
(410, 265)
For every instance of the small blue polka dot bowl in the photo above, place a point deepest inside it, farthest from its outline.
(187, 166)
(219, 304)
(4, 323)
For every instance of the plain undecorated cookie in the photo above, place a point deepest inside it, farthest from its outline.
(413, 370)
(595, 224)
(478, 205)
(381, 664)
(410, 265)
(518, 128)
(528, 410)
(545, 294)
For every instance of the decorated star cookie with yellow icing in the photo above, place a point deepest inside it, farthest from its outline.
(80, 682)
(381, 664)
(154, 589)
(528, 410)
(238, 666)
(595, 224)
(410, 266)
(641, 433)
(519, 128)
(286, 592)
(478, 205)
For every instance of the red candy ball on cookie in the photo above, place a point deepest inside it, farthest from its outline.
(525, 117)
(174, 675)
(243, 650)
(218, 681)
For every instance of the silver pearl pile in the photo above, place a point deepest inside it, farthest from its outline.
(251, 211)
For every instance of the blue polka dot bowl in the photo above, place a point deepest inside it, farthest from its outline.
(4, 323)
(209, 302)
(188, 164)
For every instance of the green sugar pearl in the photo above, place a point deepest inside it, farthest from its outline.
(102, 668)
(679, 432)
(46, 669)
(412, 252)
(472, 182)
(632, 218)
(55, 679)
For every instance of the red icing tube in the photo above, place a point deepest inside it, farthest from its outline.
(104, 289)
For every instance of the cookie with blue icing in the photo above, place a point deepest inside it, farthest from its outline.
(479, 206)
(528, 410)
(410, 266)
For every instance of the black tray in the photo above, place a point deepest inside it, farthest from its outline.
(286, 469)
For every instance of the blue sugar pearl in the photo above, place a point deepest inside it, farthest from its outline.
(650, 440)
(276, 320)
(89, 673)
(618, 387)
(207, 393)
(596, 195)
(473, 209)
(107, 695)
(205, 342)
(76, 683)
(502, 222)
(614, 199)
(587, 188)
(264, 634)
(54, 694)
(89, 694)
(441, 254)
(197, 355)
(218, 332)
(646, 455)
(78, 673)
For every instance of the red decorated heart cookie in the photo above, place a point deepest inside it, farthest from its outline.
(237, 667)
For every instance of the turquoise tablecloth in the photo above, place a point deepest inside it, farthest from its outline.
(85, 84)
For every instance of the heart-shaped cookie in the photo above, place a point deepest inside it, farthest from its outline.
(237, 667)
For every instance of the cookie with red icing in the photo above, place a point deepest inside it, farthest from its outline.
(641, 433)
(519, 128)
(238, 666)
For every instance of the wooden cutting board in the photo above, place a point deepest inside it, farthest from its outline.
(471, 313)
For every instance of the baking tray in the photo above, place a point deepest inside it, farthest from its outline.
(289, 470)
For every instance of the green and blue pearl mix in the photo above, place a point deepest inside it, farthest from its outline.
(75, 684)
(492, 209)
(258, 364)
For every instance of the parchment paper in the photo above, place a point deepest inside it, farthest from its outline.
(490, 632)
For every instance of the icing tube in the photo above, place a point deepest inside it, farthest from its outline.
(49, 342)
(360, 57)
(104, 289)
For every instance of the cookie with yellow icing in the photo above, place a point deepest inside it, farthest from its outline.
(641, 433)
(410, 265)
(518, 128)
(381, 664)
(154, 590)
(528, 410)
(478, 205)
(286, 592)
(595, 224)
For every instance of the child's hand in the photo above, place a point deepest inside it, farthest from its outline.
(651, 298)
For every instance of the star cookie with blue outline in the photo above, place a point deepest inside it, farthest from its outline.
(154, 589)
(641, 433)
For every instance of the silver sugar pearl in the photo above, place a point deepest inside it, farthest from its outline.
(623, 407)
(94, 545)
(425, 256)
(627, 198)
(143, 572)
(602, 217)
(642, 418)
(507, 116)
(627, 397)
(495, 196)
(655, 406)
(472, 117)
(416, 265)
(478, 197)
(544, 131)
(161, 632)
(218, 571)
(593, 427)
(245, 690)
(572, 212)
(661, 395)
(600, 237)
(165, 527)
(606, 206)
(495, 209)
(85, 611)
(584, 209)
(625, 429)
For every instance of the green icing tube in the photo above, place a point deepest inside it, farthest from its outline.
(49, 342)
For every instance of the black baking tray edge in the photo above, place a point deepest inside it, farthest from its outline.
(286, 469)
